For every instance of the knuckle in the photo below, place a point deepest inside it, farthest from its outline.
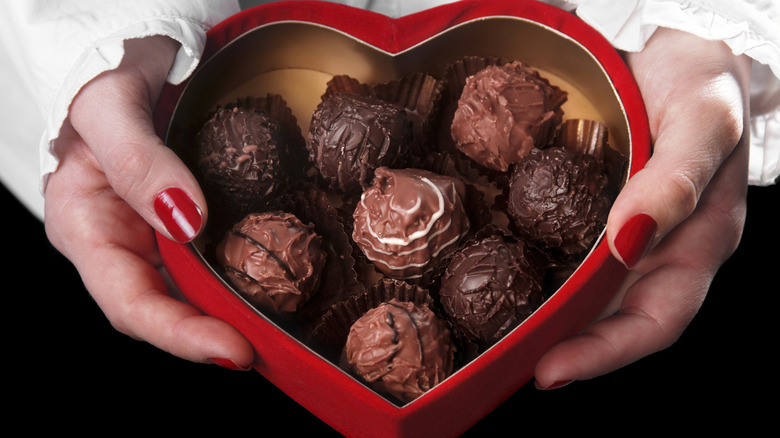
(728, 129)
(728, 224)
(681, 193)
(129, 171)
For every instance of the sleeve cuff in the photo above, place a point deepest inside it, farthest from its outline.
(105, 55)
(748, 28)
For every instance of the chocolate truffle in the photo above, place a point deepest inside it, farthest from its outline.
(351, 135)
(504, 112)
(490, 286)
(238, 158)
(273, 259)
(558, 199)
(409, 220)
(400, 349)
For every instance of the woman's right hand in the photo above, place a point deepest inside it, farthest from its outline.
(116, 183)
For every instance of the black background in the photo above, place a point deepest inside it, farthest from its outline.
(66, 369)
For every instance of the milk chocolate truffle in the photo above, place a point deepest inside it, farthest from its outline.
(273, 259)
(504, 112)
(400, 349)
(558, 198)
(409, 220)
(238, 159)
(351, 135)
(490, 286)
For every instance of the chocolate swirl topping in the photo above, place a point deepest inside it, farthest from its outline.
(409, 220)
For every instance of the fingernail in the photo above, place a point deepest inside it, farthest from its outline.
(555, 385)
(634, 239)
(180, 216)
(227, 363)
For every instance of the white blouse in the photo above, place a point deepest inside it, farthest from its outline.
(50, 48)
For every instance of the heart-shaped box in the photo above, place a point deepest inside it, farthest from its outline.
(293, 48)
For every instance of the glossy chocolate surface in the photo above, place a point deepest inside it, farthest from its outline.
(491, 285)
(409, 220)
(400, 349)
(273, 259)
(503, 112)
(350, 136)
(558, 199)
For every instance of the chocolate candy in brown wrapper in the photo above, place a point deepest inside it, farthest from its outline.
(273, 259)
(238, 161)
(418, 94)
(339, 277)
(592, 137)
(409, 220)
(584, 136)
(558, 199)
(505, 111)
(400, 349)
(329, 334)
(351, 135)
(491, 285)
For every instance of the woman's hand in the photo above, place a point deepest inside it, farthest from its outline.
(678, 219)
(116, 182)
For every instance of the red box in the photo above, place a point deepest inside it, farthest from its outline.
(293, 48)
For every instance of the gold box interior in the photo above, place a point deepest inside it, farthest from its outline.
(296, 59)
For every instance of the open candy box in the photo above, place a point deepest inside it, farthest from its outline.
(288, 57)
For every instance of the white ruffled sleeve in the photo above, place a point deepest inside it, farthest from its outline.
(60, 45)
(748, 27)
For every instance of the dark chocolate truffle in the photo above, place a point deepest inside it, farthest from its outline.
(400, 349)
(273, 259)
(558, 199)
(504, 112)
(351, 135)
(238, 161)
(491, 285)
(409, 220)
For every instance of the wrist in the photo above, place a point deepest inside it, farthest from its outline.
(151, 56)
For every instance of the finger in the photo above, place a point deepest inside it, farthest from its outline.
(653, 313)
(143, 310)
(622, 338)
(119, 268)
(113, 115)
(696, 117)
(665, 290)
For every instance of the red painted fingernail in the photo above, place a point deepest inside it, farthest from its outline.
(227, 363)
(179, 214)
(555, 385)
(634, 239)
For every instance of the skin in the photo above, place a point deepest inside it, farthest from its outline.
(694, 187)
(99, 209)
(100, 215)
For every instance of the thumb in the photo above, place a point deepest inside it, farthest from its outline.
(113, 115)
(695, 94)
